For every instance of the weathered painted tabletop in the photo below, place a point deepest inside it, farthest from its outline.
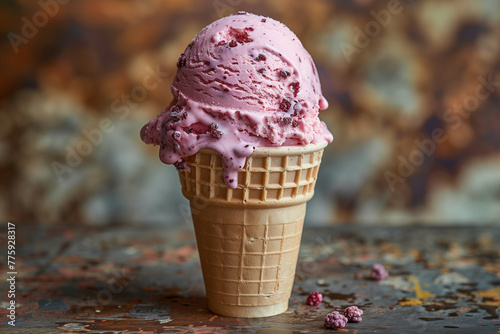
(148, 280)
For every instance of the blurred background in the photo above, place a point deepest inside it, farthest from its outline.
(413, 87)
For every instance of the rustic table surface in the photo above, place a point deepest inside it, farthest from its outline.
(137, 279)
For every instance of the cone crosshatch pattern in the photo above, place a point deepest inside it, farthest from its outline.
(249, 238)
(266, 177)
(250, 263)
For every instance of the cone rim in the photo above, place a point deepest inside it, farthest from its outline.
(270, 151)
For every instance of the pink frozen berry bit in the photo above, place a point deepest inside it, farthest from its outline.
(353, 313)
(335, 320)
(378, 272)
(314, 298)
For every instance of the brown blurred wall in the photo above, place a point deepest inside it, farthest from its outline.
(413, 87)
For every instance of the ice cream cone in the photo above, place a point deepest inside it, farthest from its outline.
(248, 238)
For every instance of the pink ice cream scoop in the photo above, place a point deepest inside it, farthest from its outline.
(245, 81)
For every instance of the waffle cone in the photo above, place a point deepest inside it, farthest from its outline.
(248, 238)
